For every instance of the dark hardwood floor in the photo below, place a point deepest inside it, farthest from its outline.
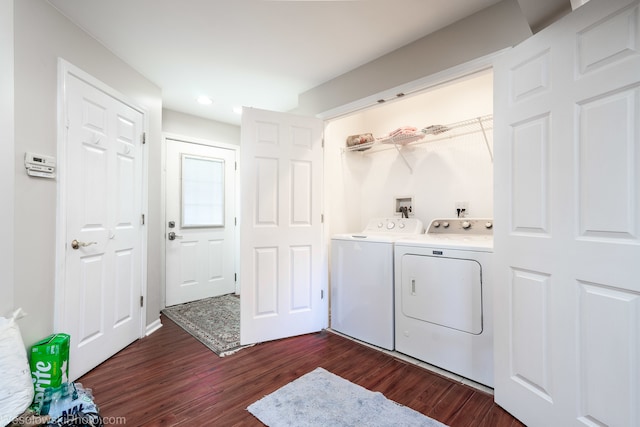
(170, 378)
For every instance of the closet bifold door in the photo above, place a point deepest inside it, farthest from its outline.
(567, 221)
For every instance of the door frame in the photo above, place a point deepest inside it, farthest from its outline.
(415, 87)
(67, 69)
(7, 153)
(163, 200)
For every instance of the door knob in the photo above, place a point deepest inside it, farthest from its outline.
(173, 236)
(76, 244)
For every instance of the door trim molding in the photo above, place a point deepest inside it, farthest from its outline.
(414, 87)
(66, 69)
(7, 161)
(166, 136)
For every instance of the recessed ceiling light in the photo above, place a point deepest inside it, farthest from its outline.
(204, 100)
(237, 110)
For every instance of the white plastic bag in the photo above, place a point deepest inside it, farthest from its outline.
(68, 401)
(16, 387)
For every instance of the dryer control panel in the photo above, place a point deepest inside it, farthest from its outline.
(470, 226)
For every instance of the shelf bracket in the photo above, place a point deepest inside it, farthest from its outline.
(403, 158)
(486, 140)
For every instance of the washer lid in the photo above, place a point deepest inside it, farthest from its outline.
(370, 237)
(385, 230)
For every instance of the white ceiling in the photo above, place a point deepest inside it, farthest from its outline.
(257, 53)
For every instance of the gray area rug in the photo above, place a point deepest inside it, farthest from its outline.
(215, 322)
(321, 399)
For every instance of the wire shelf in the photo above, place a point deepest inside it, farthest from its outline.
(403, 139)
(432, 133)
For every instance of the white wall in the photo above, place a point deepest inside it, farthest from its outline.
(6, 157)
(178, 123)
(364, 185)
(41, 36)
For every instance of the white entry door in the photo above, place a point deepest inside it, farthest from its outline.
(283, 267)
(567, 219)
(200, 229)
(102, 191)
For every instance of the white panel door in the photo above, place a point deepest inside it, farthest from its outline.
(103, 281)
(567, 237)
(200, 229)
(282, 265)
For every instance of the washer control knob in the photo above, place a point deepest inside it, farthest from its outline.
(380, 225)
(445, 224)
(401, 225)
(488, 224)
(436, 224)
(466, 224)
(391, 225)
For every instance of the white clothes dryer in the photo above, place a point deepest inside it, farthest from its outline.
(362, 280)
(443, 297)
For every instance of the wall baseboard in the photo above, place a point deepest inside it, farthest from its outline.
(152, 327)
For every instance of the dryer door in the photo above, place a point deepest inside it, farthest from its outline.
(444, 291)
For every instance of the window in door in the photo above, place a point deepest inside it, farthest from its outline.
(202, 192)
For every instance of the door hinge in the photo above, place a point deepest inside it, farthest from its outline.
(141, 301)
(322, 142)
(235, 220)
(321, 293)
(235, 277)
(235, 165)
(142, 219)
(144, 137)
(322, 218)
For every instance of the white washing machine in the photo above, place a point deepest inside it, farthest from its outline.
(443, 297)
(362, 280)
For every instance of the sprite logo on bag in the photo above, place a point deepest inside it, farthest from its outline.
(49, 364)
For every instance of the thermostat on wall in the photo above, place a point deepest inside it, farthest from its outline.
(39, 165)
